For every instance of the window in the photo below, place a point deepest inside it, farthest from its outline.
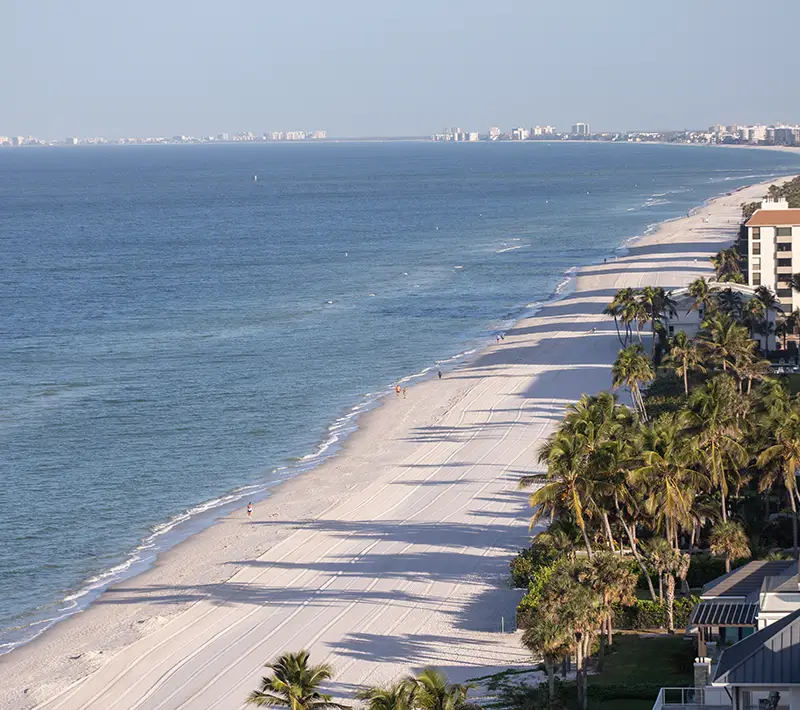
(756, 232)
(756, 248)
(783, 231)
(756, 262)
(785, 246)
(784, 293)
(784, 262)
(756, 279)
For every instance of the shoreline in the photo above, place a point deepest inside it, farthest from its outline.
(173, 568)
(181, 527)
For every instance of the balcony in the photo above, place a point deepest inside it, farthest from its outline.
(709, 698)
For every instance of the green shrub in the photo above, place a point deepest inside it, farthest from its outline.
(703, 568)
(645, 614)
(527, 561)
(531, 599)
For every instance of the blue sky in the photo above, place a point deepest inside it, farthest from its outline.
(358, 68)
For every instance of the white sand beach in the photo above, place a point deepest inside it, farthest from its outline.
(393, 554)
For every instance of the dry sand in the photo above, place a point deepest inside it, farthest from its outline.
(392, 555)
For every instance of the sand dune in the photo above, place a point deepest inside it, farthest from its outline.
(392, 555)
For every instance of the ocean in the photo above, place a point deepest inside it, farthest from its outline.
(184, 326)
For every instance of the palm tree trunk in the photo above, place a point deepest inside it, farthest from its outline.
(601, 656)
(727, 562)
(794, 529)
(670, 604)
(685, 378)
(635, 552)
(610, 626)
(586, 541)
(551, 679)
(619, 335)
(578, 669)
(660, 588)
(607, 526)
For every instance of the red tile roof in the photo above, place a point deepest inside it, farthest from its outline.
(775, 218)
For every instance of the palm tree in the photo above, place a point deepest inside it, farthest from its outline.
(399, 696)
(714, 415)
(614, 581)
(792, 322)
(727, 265)
(614, 461)
(659, 555)
(567, 483)
(683, 356)
(728, 539)
(678, 568)
(723, 337)
(434, 692)
(781, 460)
(617, 306)
(730, 302)
(579, 608)
(700, 291)
(667, 478)
(632, 369)
(552, 640)
(294, 684)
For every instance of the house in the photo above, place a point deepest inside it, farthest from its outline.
(689, 320)
(751, 614)
(730, 606)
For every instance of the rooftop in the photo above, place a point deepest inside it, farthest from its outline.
(745, 582)
(774, 218)
(718, 613)
(770, 656)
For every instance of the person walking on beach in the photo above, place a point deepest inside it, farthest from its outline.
(250, 511)
(397, 390)
(404, 392)
(439, 372)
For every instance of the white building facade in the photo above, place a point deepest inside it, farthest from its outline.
(773, 236)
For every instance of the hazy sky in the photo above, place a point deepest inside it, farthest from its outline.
(371, 67)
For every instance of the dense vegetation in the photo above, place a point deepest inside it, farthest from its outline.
(789, 190)
(703, 460)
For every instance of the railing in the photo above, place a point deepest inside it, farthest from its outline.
(709, 698)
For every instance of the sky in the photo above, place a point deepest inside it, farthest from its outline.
(117, 68)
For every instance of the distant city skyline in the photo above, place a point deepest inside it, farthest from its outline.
(361, 68)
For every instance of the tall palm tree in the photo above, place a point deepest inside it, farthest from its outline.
(294, 684)
(781, 460)
(724, 337)
(659, 555)
(614, 581)
(567, 484)
(713, 414)
(614, 462)
(632, 369)
(730, 302)
(700, 290)
(435, 692)
(727, 265)
(678, 568)
(667, 478)
(615, 309)
(729, 540)
(552, 640)
(399, 696)
(684, 356)
(792, 323)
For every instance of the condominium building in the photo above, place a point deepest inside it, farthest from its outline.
(773, 236)
(580, 129)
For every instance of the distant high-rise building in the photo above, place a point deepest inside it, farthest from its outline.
(494, 133)
(520, 134)
(580, 129)
(319, 135)
(17, 140)
(222, 136)
(71, 140)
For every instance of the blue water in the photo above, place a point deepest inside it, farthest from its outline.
(173, 331)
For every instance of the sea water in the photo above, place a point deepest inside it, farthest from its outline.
(175, 334)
